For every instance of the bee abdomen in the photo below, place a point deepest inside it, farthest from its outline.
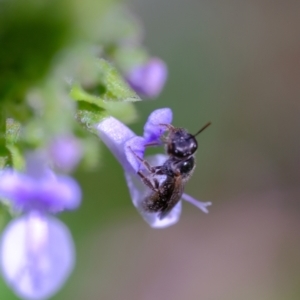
(154, 203)
(159, 202)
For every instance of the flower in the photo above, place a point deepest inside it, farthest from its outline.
(48, 193)
(36, 250)
(36, 256)
(148, 79)
(65, 152)
(122, 142)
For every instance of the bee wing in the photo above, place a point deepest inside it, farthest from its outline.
(175, 197)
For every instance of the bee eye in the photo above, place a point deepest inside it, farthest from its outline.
(187, 165)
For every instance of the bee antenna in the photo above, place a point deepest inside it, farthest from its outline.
(204, 127)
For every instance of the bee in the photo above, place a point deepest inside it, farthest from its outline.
(166, 182)
(181, 144)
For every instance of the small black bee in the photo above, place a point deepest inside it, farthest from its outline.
(179, 143)
(167, 181)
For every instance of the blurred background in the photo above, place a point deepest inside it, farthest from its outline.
(236, 64)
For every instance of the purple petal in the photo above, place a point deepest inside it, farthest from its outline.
(58, 194)
(65, 152)
(138, 191)
(135, 145)
(16, 187)
(115, 134)
(36, 256)
(201, 205)
(148, 79)
(48, 193)
(152, 129)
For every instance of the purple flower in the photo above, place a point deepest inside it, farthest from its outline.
(148, 79)
(120, 139)
(65, 152)
(36, 250)
(46, 193)
(36, 255)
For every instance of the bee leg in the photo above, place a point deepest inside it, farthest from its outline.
(169, 126)
(145, 163)
(148, 182)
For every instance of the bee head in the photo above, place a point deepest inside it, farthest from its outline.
(180, 143)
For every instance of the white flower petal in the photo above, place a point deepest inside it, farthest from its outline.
(36, 256)
(114, 134)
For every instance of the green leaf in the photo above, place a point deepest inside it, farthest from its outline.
(17, 160)
(113, 99)
(116, 87)
(110, 87)
(88, 115)
(13, 129)
(5, 156)
(12, 134)
(79, 94)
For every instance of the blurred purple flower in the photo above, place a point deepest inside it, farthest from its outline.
(46, 193)
(148, 79)
(65, 152)
(36, 255)
(118, 138)
(36, 250)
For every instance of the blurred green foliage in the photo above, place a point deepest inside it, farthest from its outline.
(31, 33)
(46, 60)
